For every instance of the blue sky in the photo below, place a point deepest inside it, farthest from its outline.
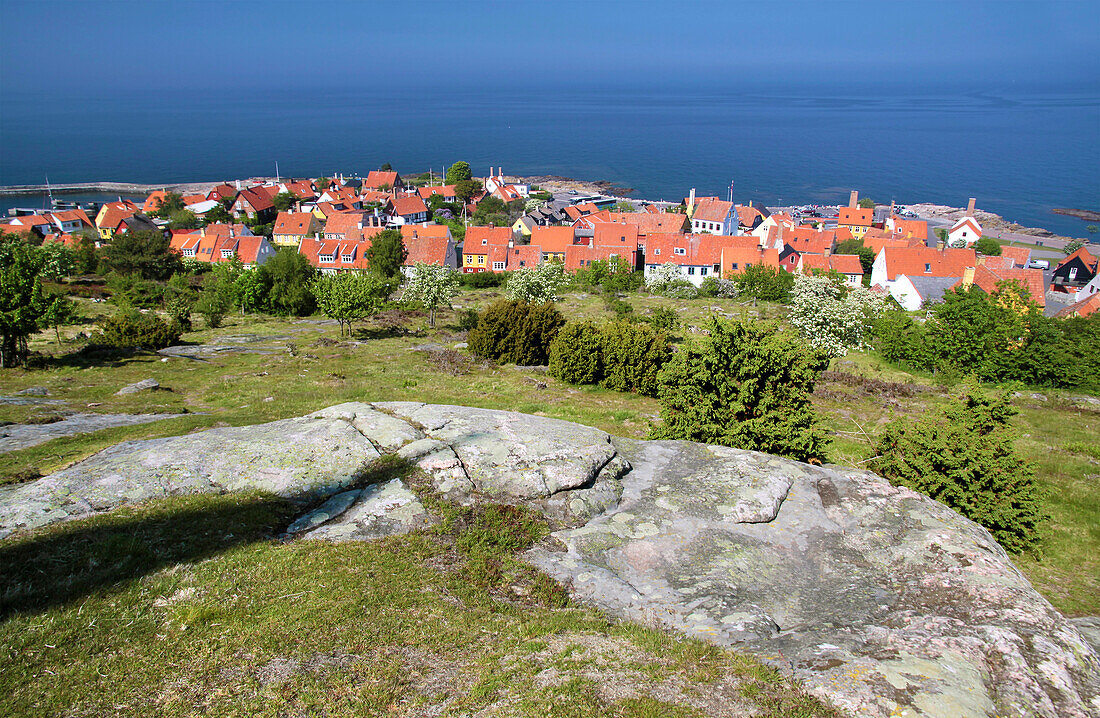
(232, 44)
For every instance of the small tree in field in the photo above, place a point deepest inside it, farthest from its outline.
(537, 285)
(349, 296)
(963, 456)
(23, 302)
(832, 317)
(748, 386)
(432, 285)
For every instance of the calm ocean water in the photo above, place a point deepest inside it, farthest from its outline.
(1020, 156)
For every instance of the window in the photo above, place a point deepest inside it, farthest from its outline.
(481, 259)
(327, 257)
(347, 257)
(498, 266)
(657, 251)
(227, 253)
(680, 250)
(189, 253)
(1072, 273)
(703, 271)
(733, 265)
(927, 268)
(717, 268)
(484, 242)
(691, 270)
(748, 265)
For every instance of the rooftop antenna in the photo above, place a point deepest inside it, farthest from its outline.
(731, 191)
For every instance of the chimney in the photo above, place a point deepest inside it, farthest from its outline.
(891, 208)
(691, 199)
(238, 185)
(968, 277)
(853, 199)
(360, 223)
(970, 207)
(750, 203)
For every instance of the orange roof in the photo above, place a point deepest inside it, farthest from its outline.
(713, 210)
(346, 254)
(553, 240)
(927, 262)
(297, 224)
(407, 205)
(646, 222)
(155, 200)
(1020, 256)
(1083, 255)
(497, 253)
(482, 236)
(1083, 308)
(303, 189)
(113, 213)
(967, 221)
(695, 250)
(434, 231)
(876, 239)
(614, 234)
(578, 256)
(525, 256)
(746, 216)
(736, 259)
(446, 191)
(855, 217)
(845, 264)
(377, 178)
(1031, 279)
(426, 249)
(917, 228)
(225, 230)
(352, 225)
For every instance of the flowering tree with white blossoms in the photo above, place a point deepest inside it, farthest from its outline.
(831, 316)
(537, 285)
(662, 276)
(432, 285)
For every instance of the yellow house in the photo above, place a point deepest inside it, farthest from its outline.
(111, 214)
(523, 225)
(291, 227)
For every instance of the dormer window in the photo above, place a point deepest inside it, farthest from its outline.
(189, 253)
(227, 254)
(680, 250)
(327, 257)
(347, 257)
(657, 251)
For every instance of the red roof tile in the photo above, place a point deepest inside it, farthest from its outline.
(377, 178)
(927, 262)
(297, 224)
(855, 217)
(553, 240)
(478, 237)
(713, 210)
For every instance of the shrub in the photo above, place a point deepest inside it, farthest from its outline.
(515, 332)
(179, 308)
(130, 329)
(988, 246)
(664, 319)
(748, 386)
(467, 319)
(633, 355)
(767, 283)
(709, 287)
(899, 339)
(964, 457)
(575, 354)
(130, 290)
(482, 280)
(621, 309)
(537, 285)
(680, 289)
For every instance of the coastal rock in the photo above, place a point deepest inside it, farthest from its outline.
(143, 385)
(20, 436)
(878, 599)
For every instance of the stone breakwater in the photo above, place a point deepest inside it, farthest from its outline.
(876, 598)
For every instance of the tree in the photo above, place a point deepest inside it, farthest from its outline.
(284, 201)
(459, 172)
(349, 296)
(433, 286)
(23, 303)
(323, 183)
(515, 332)
(184, 219)
(218, 214)
(1092, 229)
(964, 457)
(624, 206)
(387, 253)
(147, 254)
(85, 255)
(988, 246)
(172, 203)
(58, 260)
(831, 317)
(216, 299)
(59, 310)
(290, 276)
(179, 301)
(855, 246)
(1072, 246)
(767, 283)
(466, 189)
(867, 203)
(536, 285)
(386, 167)
(747, 385)
(251, 288)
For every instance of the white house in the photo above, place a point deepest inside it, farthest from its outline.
(1088, 290)
(714, 216)
(915, 292)
(966, 231)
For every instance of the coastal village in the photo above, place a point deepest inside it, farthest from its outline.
(331, 222)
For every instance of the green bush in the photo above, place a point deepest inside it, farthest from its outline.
(680, 289)
(899, 339)
(130, 329)
(767, 283)
(664, 319)
(179, 308)
(130, 290)
(964, 457)
(747, 385)
(575, 354)
(621, 309)
(483, 280)
(633, 355)
(709, 288)
(515, 332)
(467, 319)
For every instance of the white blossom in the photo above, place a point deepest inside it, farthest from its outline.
(831, 316)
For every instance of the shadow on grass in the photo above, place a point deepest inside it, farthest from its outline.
(68, 561)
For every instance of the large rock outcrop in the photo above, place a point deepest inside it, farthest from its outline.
(880, 600)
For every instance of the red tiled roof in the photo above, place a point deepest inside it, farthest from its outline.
(713, 210)
(302, 189)
(907, 228)
(746, 216)
(1084, 255)
(1019, 256)
(155, 200)
(855, 217)
(356, 250)
(447, 192)
(434, 231)
(408, 205)
(615, 234)
(927, 262)
(845, 264)
(426, 249)
(578, 256)
(553, 240)
(377, 178)
(746, 257)
(967, 221)
(222, 191)
(113, 213)
(1031, 279)
(255, 196)
(297, 224)
(646, 223)
(876, 239)
(478, 237)
(346, 225)
(496, 253)
(525, 256)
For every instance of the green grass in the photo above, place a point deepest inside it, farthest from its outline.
(193, 605)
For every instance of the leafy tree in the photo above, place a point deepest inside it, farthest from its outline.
(459, 172)
(387, 253)
(988, 246)
(217, 215)
(85, 255)
(767, 283)
(538, 284)
(489, 209)
(58, 260)
(216, 299)
(59, 310)
(22, 301)
(963, 456)
(251, 288)
(466, 189)
(668, 280)
(179, 301)
(323, 183)
(146, 254)
(1072, 246)
(184, 219)
(515, 332)
(830, 316)
(624, 206)
(284, 201)
(748, 386)
(349, 296)
(386, 167)
(942, 234)
(433, 286)
(172, 203)
(290, 276)
(866, 203)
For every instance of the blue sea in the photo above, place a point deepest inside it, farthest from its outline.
(1020, 156)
